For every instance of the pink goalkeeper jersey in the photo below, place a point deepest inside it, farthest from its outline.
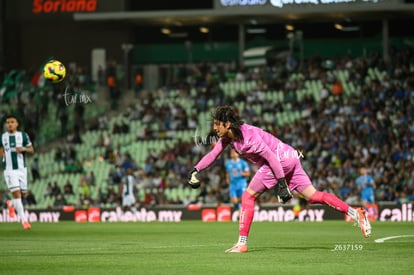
(258, 147)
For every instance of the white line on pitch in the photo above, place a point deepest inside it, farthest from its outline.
(392, 237)
(183, 246)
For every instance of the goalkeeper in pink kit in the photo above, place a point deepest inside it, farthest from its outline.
(279, 168)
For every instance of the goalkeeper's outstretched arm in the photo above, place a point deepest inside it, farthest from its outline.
(205, 162)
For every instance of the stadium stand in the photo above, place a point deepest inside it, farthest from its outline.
(367, 121)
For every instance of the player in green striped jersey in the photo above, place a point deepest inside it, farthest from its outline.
(14, 145)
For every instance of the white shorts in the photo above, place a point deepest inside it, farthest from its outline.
(16, 179)
(128, 200)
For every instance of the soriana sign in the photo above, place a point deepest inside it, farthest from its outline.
(64, 6)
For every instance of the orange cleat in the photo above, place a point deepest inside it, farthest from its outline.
(12, 213)
(26, 225)
(237, 248)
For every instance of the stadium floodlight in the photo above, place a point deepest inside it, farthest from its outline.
(347, 26)
(338, 26)
(289, 27)
(204, 30)
(166, 31)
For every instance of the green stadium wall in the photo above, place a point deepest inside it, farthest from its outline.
(228, 51)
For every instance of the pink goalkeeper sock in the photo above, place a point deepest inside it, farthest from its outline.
(329, 199)
(246, 213)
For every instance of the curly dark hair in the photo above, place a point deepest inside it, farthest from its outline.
(228, 114)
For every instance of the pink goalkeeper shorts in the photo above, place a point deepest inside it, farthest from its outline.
(296, 177)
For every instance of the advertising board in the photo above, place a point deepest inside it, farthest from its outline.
(316, 213)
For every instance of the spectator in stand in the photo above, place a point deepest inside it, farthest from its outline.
(128, 163)
(115, 175)
(85, 190)
(138, 82)
(68, 188)
(177, 200)
(111, 196)
(30, 199)
(403, 196)
(113, 90)
(103, 122)
(55, 189)
(34, 168)
(48, 190)
(211, 197)
(83, 179)
(117, 156)
(337, 88)
(102, 197)
(60, 202)
(90, 179)
(101, 140)
(158, 181)
(149, 198)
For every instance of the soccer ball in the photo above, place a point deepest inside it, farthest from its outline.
(54, 71)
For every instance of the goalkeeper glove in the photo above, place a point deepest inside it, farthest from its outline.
(282, 191)
(193, 179)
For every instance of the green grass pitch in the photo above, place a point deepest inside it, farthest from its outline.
(189, 247)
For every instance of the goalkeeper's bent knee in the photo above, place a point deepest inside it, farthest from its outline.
(248, 200)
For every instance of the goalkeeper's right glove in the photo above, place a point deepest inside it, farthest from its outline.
(282, 191)
(193, 179)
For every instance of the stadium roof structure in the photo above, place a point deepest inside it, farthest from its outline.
(377, 15)
(390, 9)
(226, 13)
